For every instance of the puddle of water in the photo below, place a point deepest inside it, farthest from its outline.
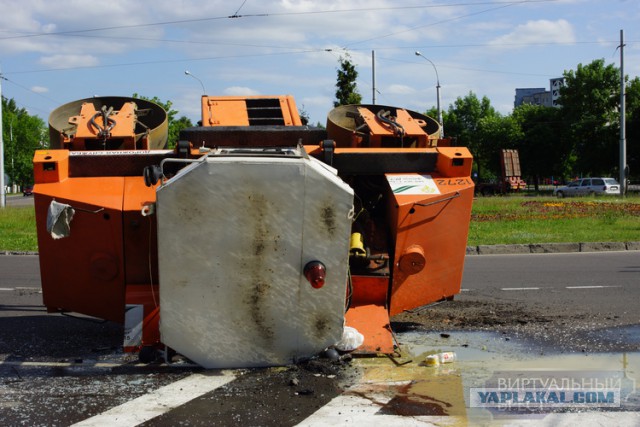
(409, 387)
(468, 346)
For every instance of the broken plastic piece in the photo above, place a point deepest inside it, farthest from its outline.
(351, 339)
(440, 358)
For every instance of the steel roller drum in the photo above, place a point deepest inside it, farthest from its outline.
(150, 115)
(342, 121)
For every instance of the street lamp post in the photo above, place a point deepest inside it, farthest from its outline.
(188, 73)
(3, 195)
(437, 93)
(13, 152)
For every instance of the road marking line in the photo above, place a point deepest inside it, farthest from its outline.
(6, 289)
(163, 400)
(591, 287)
(60, 364)
(519, 289)
(91, 364)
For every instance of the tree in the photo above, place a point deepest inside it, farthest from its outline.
(544, 144)
(22, 135)
(175, 125)
(633, 127)
(433, 113)
(590, 100)
(462, 120)
(304, 115)
(494, 133)
(347, 92)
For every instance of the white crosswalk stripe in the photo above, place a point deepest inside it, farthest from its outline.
(160, 401)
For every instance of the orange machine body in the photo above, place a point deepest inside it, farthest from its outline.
(415, 239)
(108, 261)
(412, 208)
(109, 253)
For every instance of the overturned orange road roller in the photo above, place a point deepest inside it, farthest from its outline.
(257, 239)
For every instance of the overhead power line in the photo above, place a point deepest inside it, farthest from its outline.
(272, 14)
(317, 50)
(236, 14)
(30, 90)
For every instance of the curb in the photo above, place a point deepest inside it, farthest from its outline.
(552, 248)
(18, 253)
(533, 248)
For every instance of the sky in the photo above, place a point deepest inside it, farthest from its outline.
(51, 55)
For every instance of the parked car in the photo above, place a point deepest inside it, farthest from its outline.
(588, 187)
(27, 190)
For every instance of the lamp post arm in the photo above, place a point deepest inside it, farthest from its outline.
(188, 73)
(437, 92)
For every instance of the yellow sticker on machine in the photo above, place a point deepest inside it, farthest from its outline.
(412, 184)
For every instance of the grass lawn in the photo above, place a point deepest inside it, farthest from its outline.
(18, 229)
(518, 219)
(495, 220)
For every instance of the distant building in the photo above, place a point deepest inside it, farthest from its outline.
(540, 96)
(527, 93)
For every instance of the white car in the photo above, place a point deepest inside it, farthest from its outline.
(588, 187)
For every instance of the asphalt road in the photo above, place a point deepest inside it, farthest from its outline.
(19, 271)
(597, 282)
(60, 370)
(19, 200)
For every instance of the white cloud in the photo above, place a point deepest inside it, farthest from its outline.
(39, 89)
(398, 89)
(239, 91)
(69, 61)
(540, 31)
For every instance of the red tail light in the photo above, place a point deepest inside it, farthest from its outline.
(315, 272)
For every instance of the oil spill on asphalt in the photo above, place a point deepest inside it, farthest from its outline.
(410, 387)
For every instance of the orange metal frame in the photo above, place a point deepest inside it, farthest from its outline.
(233, 111)
(124, 127)
(412, 128)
